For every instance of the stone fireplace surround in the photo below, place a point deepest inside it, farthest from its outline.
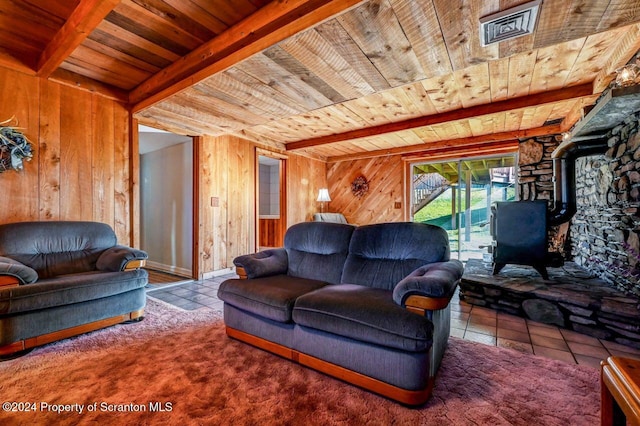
(602, 238)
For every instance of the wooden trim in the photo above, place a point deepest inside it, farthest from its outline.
(8, 281)
(195, 254)
(552, 96)
(620, 387)
(275, 348)
(242, 273)
(135, 264)
(269, 25)
(43, 339)
(423, 303)
(392, 392)
(82, 21)
(134, 173)
(450, 144)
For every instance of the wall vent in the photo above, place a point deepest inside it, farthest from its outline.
(509, 24)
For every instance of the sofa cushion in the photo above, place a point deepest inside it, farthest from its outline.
(365, 314)
(271, 297)
(69, 289)
(317, 250)
(381, 255)
(57, 247)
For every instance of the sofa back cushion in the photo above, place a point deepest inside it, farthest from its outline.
(317, 250)
(56, 248)
(381, 255)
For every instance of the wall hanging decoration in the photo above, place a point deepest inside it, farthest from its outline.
(15, 148)
(359, 186)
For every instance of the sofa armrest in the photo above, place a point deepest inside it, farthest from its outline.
(262, 264)
(430, 287)
(11, 270)
(121, 258)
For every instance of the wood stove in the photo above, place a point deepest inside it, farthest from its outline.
(519, 231)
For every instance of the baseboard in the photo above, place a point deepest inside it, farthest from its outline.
(217, 273)
(170, 269)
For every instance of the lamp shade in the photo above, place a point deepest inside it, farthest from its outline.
(323, 195)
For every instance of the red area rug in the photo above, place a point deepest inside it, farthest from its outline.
(178, 367)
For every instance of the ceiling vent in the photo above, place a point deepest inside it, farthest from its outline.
(508, 24)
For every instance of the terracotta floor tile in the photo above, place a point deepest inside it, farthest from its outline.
(457, 332)
(549, 342)
(572, 336)
(552, 332)
(485, 312)
(481, 320)
(480, 338)
(512, 325)
(460, 315)
(516, 345)
(456, 323)
(508, 317)
(624, 354)
(554, 354)
(618, 347)
(481, 328)
(540, 324)
(588, 350)
(587, 360)
(514, 335)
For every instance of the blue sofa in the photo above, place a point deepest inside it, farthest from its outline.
(59, 279)
(368, 304)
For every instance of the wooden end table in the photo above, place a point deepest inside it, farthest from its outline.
(620, 391)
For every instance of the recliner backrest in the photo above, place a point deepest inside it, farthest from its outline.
(317, 250)
(57, 247)
(381, 255)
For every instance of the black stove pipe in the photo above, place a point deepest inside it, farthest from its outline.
(564, 174)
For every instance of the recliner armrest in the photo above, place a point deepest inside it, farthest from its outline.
(262, 264)
(430, 286)
(120, 258)
(15, 269)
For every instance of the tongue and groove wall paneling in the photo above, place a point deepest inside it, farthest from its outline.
(20, 100)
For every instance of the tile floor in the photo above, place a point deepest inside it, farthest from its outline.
(468, 322)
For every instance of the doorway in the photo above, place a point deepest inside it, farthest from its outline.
(270, 200)
(166, 201)
(457, 196)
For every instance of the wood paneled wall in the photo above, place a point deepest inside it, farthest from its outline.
(227, 175)
(385, 176)
(81, 164)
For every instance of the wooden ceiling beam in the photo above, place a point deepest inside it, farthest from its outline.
(269, 25)
(452, 144)
(83, 20)
(538, 99)
(495, 148)
(77, 81)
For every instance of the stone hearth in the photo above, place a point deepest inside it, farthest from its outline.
(571, 298)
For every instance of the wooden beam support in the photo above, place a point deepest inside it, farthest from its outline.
(71, 79)
(8, 61)
(269, 25)
(481, 149)
(452, 144)
(538, 99)
(83, 20)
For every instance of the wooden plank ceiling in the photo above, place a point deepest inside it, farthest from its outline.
(333, 79)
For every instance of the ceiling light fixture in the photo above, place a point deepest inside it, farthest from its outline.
(628, 75)
(508, 24)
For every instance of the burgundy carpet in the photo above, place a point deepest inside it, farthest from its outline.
(179, 367)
